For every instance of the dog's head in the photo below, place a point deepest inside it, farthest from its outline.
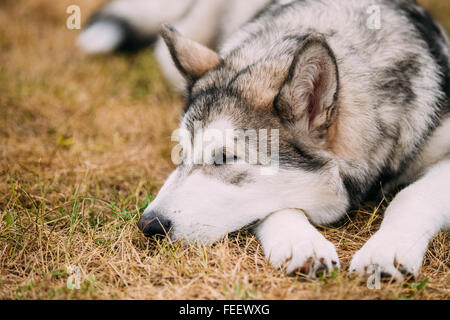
(254, 138)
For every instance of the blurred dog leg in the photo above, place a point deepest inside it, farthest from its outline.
(129, 24)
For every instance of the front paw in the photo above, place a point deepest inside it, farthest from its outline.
(390, 256)
(310, 255)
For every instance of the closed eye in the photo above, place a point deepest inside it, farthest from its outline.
(225, 158)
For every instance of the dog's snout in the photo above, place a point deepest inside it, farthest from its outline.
(153, 224)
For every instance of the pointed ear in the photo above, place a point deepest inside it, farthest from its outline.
(191, 58)
(307, 100)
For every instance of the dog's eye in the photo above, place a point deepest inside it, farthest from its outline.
(225, 158)
(230, 158)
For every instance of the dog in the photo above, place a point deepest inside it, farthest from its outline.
(355, 107)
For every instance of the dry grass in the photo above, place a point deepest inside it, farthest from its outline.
(84, 145)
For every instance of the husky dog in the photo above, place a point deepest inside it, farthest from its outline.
(356, 108)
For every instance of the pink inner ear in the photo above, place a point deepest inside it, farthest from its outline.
(316, 96)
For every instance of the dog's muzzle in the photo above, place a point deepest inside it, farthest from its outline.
(153, 224)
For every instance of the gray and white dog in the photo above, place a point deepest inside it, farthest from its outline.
(355, 107)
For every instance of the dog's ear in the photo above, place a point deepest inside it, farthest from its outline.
(191, 58)
(307, 101)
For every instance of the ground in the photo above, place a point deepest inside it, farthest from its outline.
(85, 145)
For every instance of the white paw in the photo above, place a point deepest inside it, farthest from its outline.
(101, 37)
(309, 256)
(390, 255)
(290, 241)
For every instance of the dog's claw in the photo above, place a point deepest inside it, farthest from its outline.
(362, 264)
(305, 268)
(314, 268)
(321, 269)
(407, 276)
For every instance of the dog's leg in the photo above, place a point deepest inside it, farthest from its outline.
(288, 239)
(415, 215)
(201, 24)
(129, 24)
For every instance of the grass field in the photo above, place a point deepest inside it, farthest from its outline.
(85, 145)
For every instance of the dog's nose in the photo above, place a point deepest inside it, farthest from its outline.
(153, 224)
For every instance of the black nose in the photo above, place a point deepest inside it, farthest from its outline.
(154, 225)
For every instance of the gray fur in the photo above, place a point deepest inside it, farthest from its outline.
(357, 109)
(398, 123)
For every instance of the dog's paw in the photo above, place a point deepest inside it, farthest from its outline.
(389, 256)
(309, 254)
(290, 241)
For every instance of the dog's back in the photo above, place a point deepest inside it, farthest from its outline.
(394, 80)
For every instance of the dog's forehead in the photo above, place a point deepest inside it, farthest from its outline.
(244, 98)
(252, 80)
(212, 109)
(227, 110)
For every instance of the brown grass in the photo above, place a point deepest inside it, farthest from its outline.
(84, 145)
